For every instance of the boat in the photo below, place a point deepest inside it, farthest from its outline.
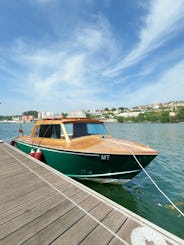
(82, 148)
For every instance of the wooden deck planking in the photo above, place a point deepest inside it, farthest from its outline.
(78, 231)
(100, 235)
(55, 229)
(27, 197)
(38, 205)
(29, 215)
(21, 191)
(24, 208)
(34, 224)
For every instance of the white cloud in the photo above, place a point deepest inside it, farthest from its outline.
(65, 71)
(162, 22)
(71, 71)
(168, 86)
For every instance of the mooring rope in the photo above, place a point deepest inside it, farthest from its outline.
(153, 182)
(158, 188)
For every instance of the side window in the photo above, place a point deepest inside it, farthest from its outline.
(56, 131)
(49, 131)
(96, 128)
(37, 132)
(69, 128)
(45, 131)
(79, 129)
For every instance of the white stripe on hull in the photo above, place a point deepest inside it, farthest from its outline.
(102, 175)
(107, 180)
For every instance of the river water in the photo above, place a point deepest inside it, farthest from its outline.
(167, 170)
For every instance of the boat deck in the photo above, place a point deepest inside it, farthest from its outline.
(39, 205)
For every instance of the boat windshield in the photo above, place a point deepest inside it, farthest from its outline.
(83, 129)
(49, 131)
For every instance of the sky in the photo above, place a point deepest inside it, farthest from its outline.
(68, 55)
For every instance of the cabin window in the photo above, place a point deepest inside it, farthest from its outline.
(49, 131)
(96, 128)
(83, 129)
(69, 128)
(79, 129)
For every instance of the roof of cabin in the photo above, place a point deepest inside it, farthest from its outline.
(67, 120)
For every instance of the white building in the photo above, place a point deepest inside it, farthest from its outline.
(76, 114)
(130, 114)
(44, 115)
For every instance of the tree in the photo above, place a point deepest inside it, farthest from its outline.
(121, 109)
(164, 117)
(180, 114)
(33, 113)
(113, 109)
(120, 119)
(106, 109)
(64, 115)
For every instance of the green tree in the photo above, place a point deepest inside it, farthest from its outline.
(164, 117)
(64, 114)
(113, 109)
(33, 113)
(120, 119)
(180, 114)
(106, 109)
(121, 109)
(140, 117)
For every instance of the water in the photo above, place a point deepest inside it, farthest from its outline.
(139, 195)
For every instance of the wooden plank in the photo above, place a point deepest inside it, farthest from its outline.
(10, 167)
(113, 221)
(55, 180)
(26, 198)
(64, 185)
(82, 228)
(17, 178)
(34, 221)
(24, 208)
(9, 162)
(11, 173)
(116, 241)
(30, 214)
(100, 211)
(80, 197)
(20, 191)
(99, 235)
(5, 158)
(90, 203)
(77, 232)
(9, 185)
(71, 191)
(56, 228)
(126, 230)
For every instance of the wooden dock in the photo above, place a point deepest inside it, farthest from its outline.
(39, 205)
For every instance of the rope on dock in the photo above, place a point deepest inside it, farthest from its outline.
(153, 182)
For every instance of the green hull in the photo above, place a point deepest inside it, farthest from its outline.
(90, 165)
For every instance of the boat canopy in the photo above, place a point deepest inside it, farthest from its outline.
(69, 128)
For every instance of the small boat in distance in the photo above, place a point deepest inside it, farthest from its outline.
(82, 148)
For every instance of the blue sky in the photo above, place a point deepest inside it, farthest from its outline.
(65, 55)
